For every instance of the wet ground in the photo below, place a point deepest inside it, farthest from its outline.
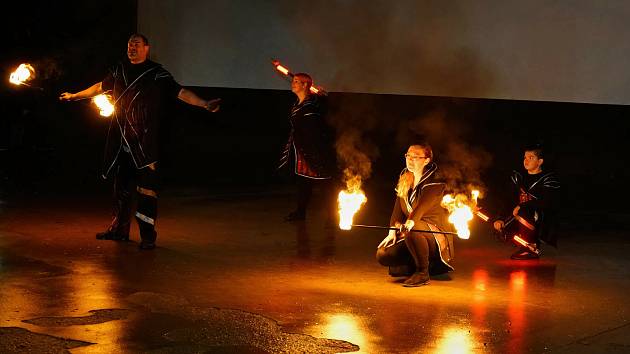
(229, 277)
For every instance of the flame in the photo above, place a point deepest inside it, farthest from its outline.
(475, 195)
(350, 201)
(282, 69)
(460, 209)
(104, 104)
(23, 73)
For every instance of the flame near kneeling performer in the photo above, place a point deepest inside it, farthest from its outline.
(417, 205)
(531, 218)
(141, 89)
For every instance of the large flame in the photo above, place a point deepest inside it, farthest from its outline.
(460, 209)
(104, 104)
(23, 73)
(350, 201)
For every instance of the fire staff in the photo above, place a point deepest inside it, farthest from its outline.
(308, 150)
(417, 204)
(535, 192)
(141, 89)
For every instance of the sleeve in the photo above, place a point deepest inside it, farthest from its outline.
(167, 83)
(107, 84)
(430, 196)
(397, 214)
(545, 194)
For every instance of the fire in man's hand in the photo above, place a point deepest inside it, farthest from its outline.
(25, 72)
(104, 104)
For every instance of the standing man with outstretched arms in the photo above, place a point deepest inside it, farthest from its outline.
(141, 90)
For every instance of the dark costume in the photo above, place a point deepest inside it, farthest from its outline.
(535, 194)
(140, 92)
(308, 150)
(420, 251)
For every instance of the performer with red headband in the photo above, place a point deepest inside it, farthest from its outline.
(530, 220)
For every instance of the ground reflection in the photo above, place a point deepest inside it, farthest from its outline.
(348, 327)
(455, 340)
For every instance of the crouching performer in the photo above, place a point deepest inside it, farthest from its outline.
(418, 254)
(531, 219)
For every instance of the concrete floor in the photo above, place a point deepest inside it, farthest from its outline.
(229, 277)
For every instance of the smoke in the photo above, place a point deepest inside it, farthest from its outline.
(398, 47)
(354, 121)
(460, 163)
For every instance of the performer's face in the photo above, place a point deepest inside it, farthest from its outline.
(298, 85)
(416, 159)
(137, 51)
(531, 162)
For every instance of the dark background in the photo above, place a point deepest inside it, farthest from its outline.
(48, 147)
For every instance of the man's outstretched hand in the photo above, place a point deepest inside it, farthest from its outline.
(66, 96)
(214, 105)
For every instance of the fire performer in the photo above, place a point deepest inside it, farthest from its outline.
(141, 88)
(535, 192)
(417, 205)
(308, 150)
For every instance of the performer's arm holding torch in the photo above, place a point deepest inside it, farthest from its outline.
(394, 221)
(91, 91)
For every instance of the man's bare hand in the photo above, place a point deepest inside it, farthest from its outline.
(498, 225)
(66, 96)
(214, 105)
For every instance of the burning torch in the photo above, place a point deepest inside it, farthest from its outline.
(22, 75)
(286, 72)
(351, 200)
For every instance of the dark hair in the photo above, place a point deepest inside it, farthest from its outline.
(536, 149)
(306, 77)
(141, 36)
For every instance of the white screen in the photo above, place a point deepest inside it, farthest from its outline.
(574, 51)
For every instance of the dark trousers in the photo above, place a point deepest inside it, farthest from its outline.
(132, 183)
(305, 192)
(415, 250)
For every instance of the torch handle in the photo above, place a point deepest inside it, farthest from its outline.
(395, 228)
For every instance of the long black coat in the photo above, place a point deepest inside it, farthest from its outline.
(309, 147)
(140, 93)
(537, 195)
(422, 205)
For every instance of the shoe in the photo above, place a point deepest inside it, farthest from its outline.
(146, 245)
(522, 254)
(111, 235)
(295, 216)
(417, 279)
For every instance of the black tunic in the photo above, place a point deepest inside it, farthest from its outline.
(422, 205)
(536, 195)
(140, 93)
(309, 143)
